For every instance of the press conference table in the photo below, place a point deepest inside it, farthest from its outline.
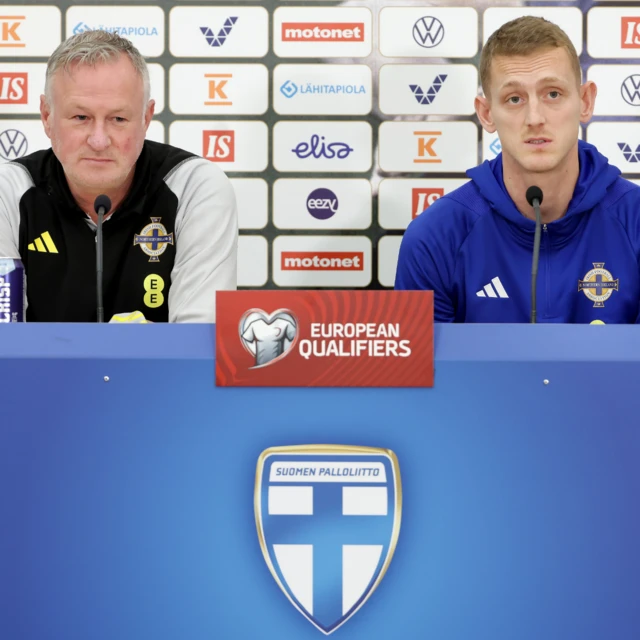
(127, 480)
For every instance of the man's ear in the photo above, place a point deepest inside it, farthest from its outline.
(588, 92)
(45, 115)
(148, 113)
(483, 111)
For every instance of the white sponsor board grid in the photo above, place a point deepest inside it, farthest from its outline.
(156, 82)
(569, 19)
(235, 145)
(143, 25)
(428, 147)
(29, 31)
(252, 199)
(211, 89)
(156, 131)
(253, 261)
(415, 89)
(322, 89)
(219, 32)
(614, 32)
(21, 137)
(336, 203)
(400, 200)
(322, 146)
(327, 32)
(388, 249)
(428, 32)
(619, 142)
(618, 89)
(21, 84)
(322, 261)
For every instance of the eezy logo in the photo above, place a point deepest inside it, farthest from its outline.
(426, 152)
(218, 39)
(13, 144)
(630, 90)
(630, 33)
(317, 148)
(218, 146)
(422, 199)
(322, 203)
(13, 88)
(428, 32)
(432, 91)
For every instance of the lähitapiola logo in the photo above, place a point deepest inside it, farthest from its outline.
(428, 32)
(428, 96)
(289, 89)
(495, 146)
(630, 90)
(629, 154)
(318, 148)
(322, 203)
(268, 337)
(217, 39)
(13, 144)
(126, 31)
(328, 520)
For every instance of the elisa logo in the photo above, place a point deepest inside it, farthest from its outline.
(13, 88)
(322, 203)
(323, 31)
(216, 83)
(630, 32)
(9, 36)
(318, 148)
(426, 153)
(422, 199)
(322, 260)
(219, 146)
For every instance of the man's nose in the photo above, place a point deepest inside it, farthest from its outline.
(98, 138)
(535, 115)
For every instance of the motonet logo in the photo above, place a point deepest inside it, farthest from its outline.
(323, 31)
(322, 261)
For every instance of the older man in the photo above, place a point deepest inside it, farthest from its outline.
(170, 236)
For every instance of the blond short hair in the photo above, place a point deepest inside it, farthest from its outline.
(95, 47)
(522, 37)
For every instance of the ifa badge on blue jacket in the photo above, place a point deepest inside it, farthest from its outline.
(328, 519)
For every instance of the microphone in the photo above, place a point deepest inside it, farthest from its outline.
(534, 198)
(101, 206)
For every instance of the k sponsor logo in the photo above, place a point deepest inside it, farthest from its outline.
(14, 88)
(422, 199)
(427, 153)
(428, 32)
(13, 144)
(218, 145)
(216, 92)
(10, 31)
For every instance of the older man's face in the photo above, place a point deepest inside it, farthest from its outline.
(97, 120)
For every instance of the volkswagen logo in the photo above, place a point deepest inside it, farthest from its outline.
(630, 90)
(13, 144)
(428, 32)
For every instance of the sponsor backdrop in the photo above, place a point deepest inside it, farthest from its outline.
(338, 123)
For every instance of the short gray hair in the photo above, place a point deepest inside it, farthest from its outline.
(94, 47)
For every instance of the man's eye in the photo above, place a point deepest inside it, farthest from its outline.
(513, 100)
(554, 94)
(80, 118)
(120, 119)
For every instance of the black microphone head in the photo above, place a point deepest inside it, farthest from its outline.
(103, 202)
(533, 193)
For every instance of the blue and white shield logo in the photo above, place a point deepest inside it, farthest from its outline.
(328, 519)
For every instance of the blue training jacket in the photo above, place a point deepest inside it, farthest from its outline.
(473, 248)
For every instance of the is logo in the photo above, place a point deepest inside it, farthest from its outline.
(328, 520)
(14, 88)
(153, 240)
(289, 89)
(13, 144)
(323, 31)
(423, 198)
(218, 39)
(216, 83)
(317, 148)
(495, 146)
(219, 146)
(426, 152)
(432, 91)
(322, 261)
(598, 284)
(630, 32)
(9, 36)
(630, 90)
(268, 337)
(322, 203)
(629, 154)
(428, 32)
